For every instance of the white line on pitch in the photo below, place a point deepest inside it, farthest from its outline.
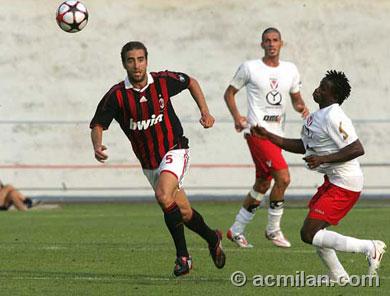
(111, 279)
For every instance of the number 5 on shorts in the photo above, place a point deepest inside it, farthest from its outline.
(168, 159)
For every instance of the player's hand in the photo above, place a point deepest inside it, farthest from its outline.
(99, 154)
(240, 123)
(207, 120)
(259, 131)
(305, 113)
(313, 161)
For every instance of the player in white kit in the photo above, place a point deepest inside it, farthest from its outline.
(331, 146)
(269, 84)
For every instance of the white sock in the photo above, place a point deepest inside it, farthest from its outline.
(339, 242)
(242, 219)
(330, 260)
(274, 217)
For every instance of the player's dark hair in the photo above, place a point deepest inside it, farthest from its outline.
(130, 46)
(269, 30)
(340, 84)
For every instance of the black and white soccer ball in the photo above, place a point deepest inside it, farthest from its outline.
(72, 16)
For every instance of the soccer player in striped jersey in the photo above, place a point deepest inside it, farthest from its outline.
(141, 104)
(331, 147)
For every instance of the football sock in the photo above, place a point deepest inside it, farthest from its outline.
(275, 212)
(198, 225)
(242, 219)
(174, 222)
(339, 242)
(330, 260)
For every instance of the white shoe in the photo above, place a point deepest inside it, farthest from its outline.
(239, 239)
(374, 260)
(278, 239)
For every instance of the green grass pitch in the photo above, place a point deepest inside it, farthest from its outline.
(125, 249)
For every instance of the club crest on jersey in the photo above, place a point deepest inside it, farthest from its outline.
(274, 97)
(145, 124)
(161, 101)
(273, 83)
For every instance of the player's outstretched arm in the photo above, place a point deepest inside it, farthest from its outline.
(290, 145)
(240, 122)
(299, 104)
(206, 119)
(98, 147)
(347, 153)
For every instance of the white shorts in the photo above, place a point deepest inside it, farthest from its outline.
(175, 162)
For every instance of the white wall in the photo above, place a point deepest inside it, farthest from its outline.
(51, 81)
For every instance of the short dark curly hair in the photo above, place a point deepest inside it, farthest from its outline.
(340, 84)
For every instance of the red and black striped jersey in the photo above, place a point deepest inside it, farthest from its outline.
(146, 116)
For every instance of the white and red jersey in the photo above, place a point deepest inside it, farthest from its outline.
(268, 90)
(327, 131)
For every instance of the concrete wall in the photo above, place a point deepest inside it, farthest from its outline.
(51, 81)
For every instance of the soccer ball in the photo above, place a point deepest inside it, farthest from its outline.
(72, 16)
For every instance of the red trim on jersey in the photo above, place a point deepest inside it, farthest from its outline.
(148, 133)
(132, 104)
(119, 99)
(185, 163)
(167, 120)
(135, 143)
(113, 89)
(159, 132)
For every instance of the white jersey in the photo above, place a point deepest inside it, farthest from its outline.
(268, 90)
(327, 131)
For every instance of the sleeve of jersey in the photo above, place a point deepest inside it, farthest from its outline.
(341, 130)
(176, 82)
(105, 111)
(241, 77)
(296, 81)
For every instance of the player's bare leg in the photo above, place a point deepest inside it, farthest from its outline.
(165, 192)
(275, 211)
(247, 212)
(4, 191)
(183, 204)
(313, 232)
(9, 195)
(194, 221)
